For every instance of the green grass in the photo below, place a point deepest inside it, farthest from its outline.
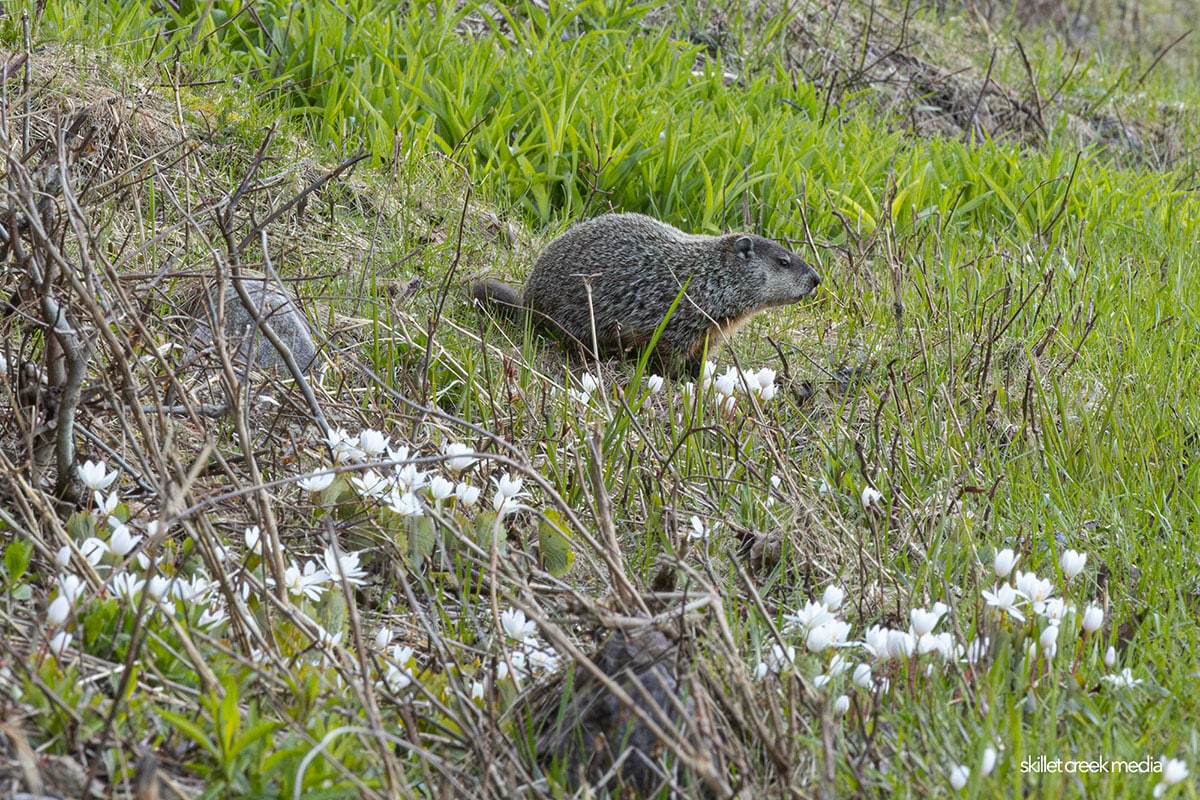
(1018, 324)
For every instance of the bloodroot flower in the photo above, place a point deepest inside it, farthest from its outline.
(1072, 563)
(1004, 562)
(516, 626)
(94, 477)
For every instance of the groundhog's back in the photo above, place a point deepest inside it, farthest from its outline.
(637, 267)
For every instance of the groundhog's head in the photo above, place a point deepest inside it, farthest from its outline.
(780, 276)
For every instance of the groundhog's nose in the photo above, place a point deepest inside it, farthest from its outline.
(816, 277)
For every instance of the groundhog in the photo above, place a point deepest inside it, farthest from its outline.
(637, 268)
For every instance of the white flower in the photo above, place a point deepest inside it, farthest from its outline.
(1110, 657)
(706, 374)
(253, 538)
(397, 455)
(977, 648)
(841, 705)
(440, 488)
(1123, 679)
(589, 382)
(328, 639)
(760, 670)
(517, 659)
(516, 626)
(1005, 599)
(310, 582)
(989, 761)
(1173, 771)
(467, 494)
(832, 598)
(383, 637)
(1049, 638)
(923, 620)
(1072, 563)
(194, 590)
(398, 679)
(502, 506)
(157, 587)
(122, 542)
(93, 550)
(405, 504)
(900, 644)
(876, 641)
(409, 478)
(508, 485)
(63, 556)
(781, 657)
(811, 615)
(727, 384)
(94, 477)
(105, 506)
(541, 659)
(477, 690)
(727, 405)
(343, 446)
(942, 643)
(402, 655)
(698, 532)
(959, 775)
(317, 482)
(768, 392)
(862, 676)
(1037, 590)
(871, 498)
(838, 664)
(1004, 562)
(58, 611)
(947, 647)
(125, 586)
(832, 634)
(344, 565)
(372, 442)
(59, 643)
(71, 587)
(763, 379)
(654, 383)
(370, 483)
(458, 459)
(508, 488)
(212, 615)
(818, 638)
(1093, 618)
(1055, 610)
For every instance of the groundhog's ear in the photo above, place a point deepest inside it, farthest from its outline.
(744, 247)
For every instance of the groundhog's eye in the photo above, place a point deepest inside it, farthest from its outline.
(784, 261)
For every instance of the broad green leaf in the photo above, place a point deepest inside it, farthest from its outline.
(191, 730)
(554, 546)
(16, 560)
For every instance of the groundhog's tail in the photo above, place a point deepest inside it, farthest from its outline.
(498, 296)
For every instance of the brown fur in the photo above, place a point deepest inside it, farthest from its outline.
(621, 273)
